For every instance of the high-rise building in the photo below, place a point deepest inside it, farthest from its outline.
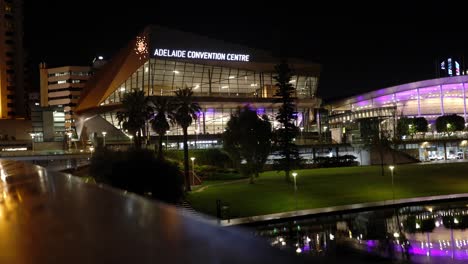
(450, 66)
(61, 87)
(12, 60)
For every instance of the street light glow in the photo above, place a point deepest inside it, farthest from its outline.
(192, 158)
(294, 174)
(391, 167)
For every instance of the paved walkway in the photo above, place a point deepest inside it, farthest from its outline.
(202, 188)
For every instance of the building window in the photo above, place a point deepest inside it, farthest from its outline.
(76, 81)
(60, 82)
(8, 8)
(58, 74)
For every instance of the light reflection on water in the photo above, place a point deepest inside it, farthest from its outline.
(435, 233)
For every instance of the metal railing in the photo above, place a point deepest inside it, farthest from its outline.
(51, 217)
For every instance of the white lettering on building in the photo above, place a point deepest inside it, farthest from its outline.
(189, 54)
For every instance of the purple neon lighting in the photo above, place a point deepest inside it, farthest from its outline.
(363, 103)
(432, 92)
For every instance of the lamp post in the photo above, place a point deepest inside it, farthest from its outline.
(294, 174)
(32, 140)
(167, 138)
(391, 167)
(131, 139)
(302, 136)
(104, 138)
(193, 170)
(69, 139)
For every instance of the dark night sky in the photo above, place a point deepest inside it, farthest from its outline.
(359, 52)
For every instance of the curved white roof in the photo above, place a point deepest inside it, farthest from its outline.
(399, 88)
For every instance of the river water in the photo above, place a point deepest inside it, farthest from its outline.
(424, 233)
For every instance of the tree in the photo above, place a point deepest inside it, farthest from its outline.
(134, 114)
(163, 115)
(286, 116)
(185, 111)
(420, 124)
(248, 138)
(450, 123)
(407, 126)
(373, 136)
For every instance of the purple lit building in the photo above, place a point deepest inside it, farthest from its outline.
(429, 99)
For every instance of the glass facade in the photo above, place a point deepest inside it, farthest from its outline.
(162, 77)
(429, 101)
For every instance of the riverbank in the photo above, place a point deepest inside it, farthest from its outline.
(319, 188)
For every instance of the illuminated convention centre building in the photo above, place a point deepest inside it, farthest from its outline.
(223, 77)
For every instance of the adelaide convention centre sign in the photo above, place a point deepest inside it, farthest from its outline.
(190, 54)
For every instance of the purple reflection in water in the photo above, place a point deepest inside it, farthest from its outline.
(371, 243)
(457, 253)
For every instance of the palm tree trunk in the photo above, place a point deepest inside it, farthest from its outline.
(135, 140)
(186, 163)
(139, 139)
(160, 152)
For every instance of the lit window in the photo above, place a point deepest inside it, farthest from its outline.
(60, 82)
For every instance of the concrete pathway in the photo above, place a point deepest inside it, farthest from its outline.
(202, 188)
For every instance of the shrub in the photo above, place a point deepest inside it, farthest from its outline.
(212, 157)
(138, 171)
(340, 161)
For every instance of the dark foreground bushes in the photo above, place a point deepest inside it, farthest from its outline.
(138, 171)
(340, 161)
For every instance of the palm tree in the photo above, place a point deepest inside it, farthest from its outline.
(164, 113)
(184, 113)
(134, 114)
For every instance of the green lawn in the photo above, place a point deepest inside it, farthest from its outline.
(332, 186)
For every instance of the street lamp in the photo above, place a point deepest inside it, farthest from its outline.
(391, 167)
(131, 139)
(302, 137)
(167, 138)
(104, 138)
(69, 139)
(294, 174)
(32, 140)
(193, 170)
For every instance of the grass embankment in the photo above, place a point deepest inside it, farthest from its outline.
(330, 187)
